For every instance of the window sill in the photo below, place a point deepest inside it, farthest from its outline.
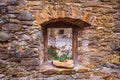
(48, 69)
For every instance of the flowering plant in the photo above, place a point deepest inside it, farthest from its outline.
(55, 54)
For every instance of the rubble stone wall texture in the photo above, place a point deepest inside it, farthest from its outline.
(21, 37)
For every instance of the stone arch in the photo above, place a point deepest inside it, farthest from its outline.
(48, 13)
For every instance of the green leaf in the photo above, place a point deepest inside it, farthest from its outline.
(68, 52)
(50, 51)
(62, 57)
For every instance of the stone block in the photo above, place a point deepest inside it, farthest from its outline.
(30, 68)
(13, 2)
(73, 12)
(81, 69)
(46, 17)
(115, 59)
(14, 21)
(3, 63)
(11, 71)
(30, 62)
(11, 27)
(26, 37)
(37, 34)
(116, 30)
(109, 77)
(65, 64)
(84, 16)
(63, 14)
(3, 21)
(116, 15)
(3, 9)
(2, 75)
(4, 36)
(26, 15)
(12, 16)
(117, 24)
(12, 9)
(110, 11)
(114, 45)
(28, 23)
(4, 56)
(91, 4)
(37, 19)
(21, 74)
(54, 14)
(48, 68)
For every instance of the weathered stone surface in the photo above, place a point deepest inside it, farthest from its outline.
(111, 59)
(11, 27)
(117, 36)
(37, 34)
(4, 36)
(96, 59)
(24, 54)
(29, 23)
(116, 30)
(110, 11)
(4, 56)
(57, 71)
(48, 68)
(3, 9)
(3, 20)
(109, 77)
(2, 63)
(13, 2)
(87, 64)
(116, 15)
(26, 43)
(11, 71)
(2, 75)
(81, 69)
(115, 59)
(65, 64)
(26, 15)
(115, 46)
(20, 74)
(117, 24)
(30, 62)
(26, 37)
(12, 10)
(14, 21)
(111, 66)
(11, 15)
(29, 68)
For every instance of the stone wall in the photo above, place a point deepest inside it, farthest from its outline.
(21, 39)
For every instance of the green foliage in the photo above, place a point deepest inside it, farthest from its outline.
(52, 53)
(62, 57)
(68, 52)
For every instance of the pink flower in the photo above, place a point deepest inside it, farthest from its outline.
(63, 50)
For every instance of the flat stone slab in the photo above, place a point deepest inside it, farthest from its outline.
(64, 64)
(81, 69)
(48, 69)
(4, 36)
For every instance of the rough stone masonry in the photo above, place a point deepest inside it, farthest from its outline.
(22, 44)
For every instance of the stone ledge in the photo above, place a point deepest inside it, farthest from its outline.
(48, 69)
(64, 64)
